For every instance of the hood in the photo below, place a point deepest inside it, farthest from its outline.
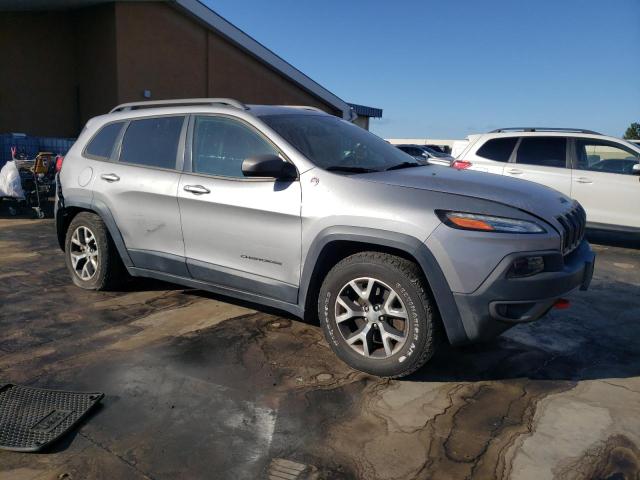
(531, 197)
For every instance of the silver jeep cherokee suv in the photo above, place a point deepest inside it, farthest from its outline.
(296, 209)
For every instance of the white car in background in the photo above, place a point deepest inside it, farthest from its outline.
(601, 172)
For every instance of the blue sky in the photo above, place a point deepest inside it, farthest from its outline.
(444, 69)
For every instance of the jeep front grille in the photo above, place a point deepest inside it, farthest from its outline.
(573, 227)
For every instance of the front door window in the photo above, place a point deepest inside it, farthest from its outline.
(606, 157)
(220, 145)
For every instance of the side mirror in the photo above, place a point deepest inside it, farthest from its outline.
(635, 170)
(269, 166)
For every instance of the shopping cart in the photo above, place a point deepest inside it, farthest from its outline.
(37, 182)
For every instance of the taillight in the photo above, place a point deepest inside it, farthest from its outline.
(59, 160)
(461, 164)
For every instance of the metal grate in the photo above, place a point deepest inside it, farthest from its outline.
(33, 418)
(573, 228)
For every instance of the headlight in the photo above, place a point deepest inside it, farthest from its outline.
(487, 223)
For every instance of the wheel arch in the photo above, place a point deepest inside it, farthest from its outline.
(68, 212)
(335, 243)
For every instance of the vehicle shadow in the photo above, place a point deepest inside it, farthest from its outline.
(582, 345)
(594, 339)
(12, 209)
(142, 284)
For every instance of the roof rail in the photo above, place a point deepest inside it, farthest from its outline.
(305, 107)
(543, 129)
(230, 102)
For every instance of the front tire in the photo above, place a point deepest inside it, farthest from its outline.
(90, 255)
(377, 315)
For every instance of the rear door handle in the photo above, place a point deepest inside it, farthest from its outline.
(515, 171)
(110, 177)
(584, 180)
(196, 189)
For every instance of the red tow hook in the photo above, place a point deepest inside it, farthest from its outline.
(561, 304)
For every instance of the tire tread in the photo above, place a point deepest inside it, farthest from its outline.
(414, 275)
(112, 269)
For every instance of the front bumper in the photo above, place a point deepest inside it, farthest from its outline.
(501, 302)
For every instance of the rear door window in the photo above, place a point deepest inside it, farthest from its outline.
(498, 149)
(152, 142)
(101, 145)
(543, 151)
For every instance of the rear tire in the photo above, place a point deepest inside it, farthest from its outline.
(377, 315)
(90, 255)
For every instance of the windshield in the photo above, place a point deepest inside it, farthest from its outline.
(335, 144)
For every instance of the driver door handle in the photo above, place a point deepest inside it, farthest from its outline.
(110, 177)
(196, 189)
(515, 171)
(584, 180)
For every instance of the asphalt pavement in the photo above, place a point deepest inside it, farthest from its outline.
(202, 386)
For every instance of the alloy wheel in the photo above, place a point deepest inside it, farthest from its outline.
(371, 318)
(84, 253)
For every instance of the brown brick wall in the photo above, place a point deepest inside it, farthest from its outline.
(37, 77)
(192, 61)
(61, 68)
(160, 50)
(233, 73)
(96, 60)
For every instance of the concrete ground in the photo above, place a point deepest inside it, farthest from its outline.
(200, 386)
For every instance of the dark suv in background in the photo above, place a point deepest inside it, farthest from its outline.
(425, 154)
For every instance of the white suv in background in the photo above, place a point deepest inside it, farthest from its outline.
(601, 172)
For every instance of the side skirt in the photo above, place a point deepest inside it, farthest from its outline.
(239, 294)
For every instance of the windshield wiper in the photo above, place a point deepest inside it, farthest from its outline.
(404, 165)
(341, 168)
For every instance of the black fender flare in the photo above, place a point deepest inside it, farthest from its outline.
(442, 293)
(101, 209)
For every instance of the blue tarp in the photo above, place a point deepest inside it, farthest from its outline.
(31, 145)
